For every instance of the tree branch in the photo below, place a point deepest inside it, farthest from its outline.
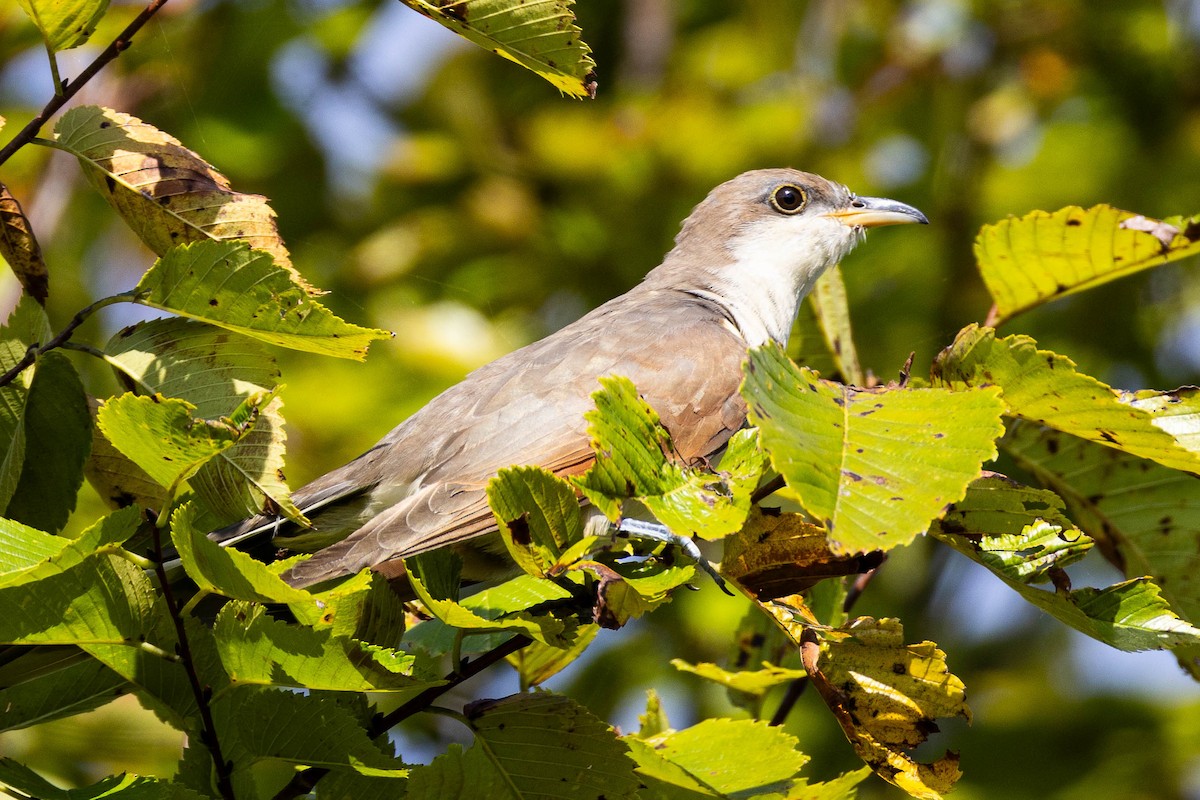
(304, 782)
(71, 87)
(36, 349)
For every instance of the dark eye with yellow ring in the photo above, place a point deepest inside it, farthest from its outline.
(789, 199)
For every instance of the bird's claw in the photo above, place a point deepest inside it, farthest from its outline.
(636, 528)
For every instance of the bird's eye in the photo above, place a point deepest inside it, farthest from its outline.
(789, 199)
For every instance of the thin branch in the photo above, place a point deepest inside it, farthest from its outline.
(61, 338)
(208, 729)
(794, 690)
(303, 782)
(767, 489)
(71, 88)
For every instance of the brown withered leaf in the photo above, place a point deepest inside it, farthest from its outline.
(20, 247)
(167, 194)
(782, 554)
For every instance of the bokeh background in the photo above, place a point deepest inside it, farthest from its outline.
(458, 200)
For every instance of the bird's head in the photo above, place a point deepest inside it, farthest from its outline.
(760, 241)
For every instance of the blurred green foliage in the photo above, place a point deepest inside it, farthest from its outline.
(461, 202)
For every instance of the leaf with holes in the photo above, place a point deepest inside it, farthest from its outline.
(233, 287)
(540, 35)
(874, 466)
(1031, 260)
(1045, 388)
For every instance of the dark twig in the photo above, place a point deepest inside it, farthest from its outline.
(303, 782)
(208, 729)
(858, 587)
(767, 489)
(794, 690)
(60, 339)
(70, 88)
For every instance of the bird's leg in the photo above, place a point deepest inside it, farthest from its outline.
(656, 532)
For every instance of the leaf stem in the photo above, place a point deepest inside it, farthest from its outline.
(70, 88)
(36, 349)
(208, 729)
(303, 782)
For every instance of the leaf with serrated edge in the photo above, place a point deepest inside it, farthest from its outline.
(538, 515)
(215, 371)
(65, 23)
(537, 663)
(19, 247)
(1045, 388)
(229, 285)
(873, 466)
(540, 35)
(886, 696)
(166, 193)
(80, 685)
(27, 554)
(541, 744)
(755, 682)
(26, 325)
(163, 437)
(231, 573)
(27, 783)
(828, 299)
(1031, 260)
(255, 648)
(1129, 616)
(1143, 516)
(115, 477)
(631, 461)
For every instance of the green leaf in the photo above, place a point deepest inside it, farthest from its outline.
(631, 461)
(163, 436)
(1045, 388)
(754, 682)
(1031, 260)
(19, 247)
(119, 481)
(65, 23)
(538, 514)
(165, 192)
(531, 745)
(233, 574)
(728, 758)
(229, 285)
(541, 36)
(51, 691)
(27, 554)
(440, 599)
(1143, 516)
(257, 649)
(257, 724)
(27, 783)
(26, 326)
(874, 466)
(58, 429)
(828, 299)
(216, 372)
(537, 663)
(1129, 616)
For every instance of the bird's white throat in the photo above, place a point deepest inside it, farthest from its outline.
(773, 267)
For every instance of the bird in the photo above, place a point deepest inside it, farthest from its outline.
(741, 264)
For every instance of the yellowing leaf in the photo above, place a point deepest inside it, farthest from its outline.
(165, 192)
(828, 300)
(874, 466)
(540, 35)
(20, 248)
(1044, 387)
(65, 23)
(1030, 260)
(755, 682)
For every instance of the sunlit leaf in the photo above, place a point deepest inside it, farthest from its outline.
(258, 649)
(166, 193)
(215, 371)
(164, 437)
(540, 35)
(65, 23)
(828, 299)
(538, 515)
(28, 554)
(26, 326)
(229, 285)
(537, 662)
(79, 685)
(747, 681)
(19, 247)
(1030, 260)
(27, 783)
(1045, 388)
(631, 461)
(1130, 616)
(531, 745)
(873, 466)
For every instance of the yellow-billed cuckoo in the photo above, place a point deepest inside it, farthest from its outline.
(742, 262)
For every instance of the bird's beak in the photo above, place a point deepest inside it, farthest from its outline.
(875, 212)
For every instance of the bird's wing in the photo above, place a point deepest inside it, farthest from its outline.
(528, 408)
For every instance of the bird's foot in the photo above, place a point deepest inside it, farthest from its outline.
(640, 529)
